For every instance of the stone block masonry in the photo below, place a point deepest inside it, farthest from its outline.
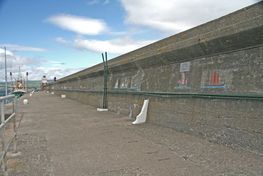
(206, 81)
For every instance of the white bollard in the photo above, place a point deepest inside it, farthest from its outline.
(52, 93)
(63, 96)
(101, 109)
(25, 101)
(141, 118)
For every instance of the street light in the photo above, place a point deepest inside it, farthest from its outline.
(5, 72)
(26, 82)
(11, 80)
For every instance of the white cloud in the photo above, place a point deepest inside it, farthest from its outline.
(7, 52)
(55, 62)
(37, 73)
(14, 47)
(93, 2)
(77, 24)
(14, 62)
(36, 67)
(61, 40)
(178, 15)
(117, 46)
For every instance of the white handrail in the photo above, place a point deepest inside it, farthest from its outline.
(7, 97)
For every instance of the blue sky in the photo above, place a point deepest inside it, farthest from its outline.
(60, 37)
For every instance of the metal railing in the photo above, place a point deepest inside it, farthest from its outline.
(8, 132)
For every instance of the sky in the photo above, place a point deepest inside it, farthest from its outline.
(59, 37)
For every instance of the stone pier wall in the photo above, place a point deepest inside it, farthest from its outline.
(207, 81)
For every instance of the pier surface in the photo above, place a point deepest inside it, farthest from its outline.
(62, 137)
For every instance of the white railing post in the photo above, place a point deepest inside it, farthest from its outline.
(14, 124)
(4, 167)
(5, 141)
(2, 112)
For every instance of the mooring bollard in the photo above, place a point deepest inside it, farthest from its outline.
(25, 101)
(63, 96)
(3, 162)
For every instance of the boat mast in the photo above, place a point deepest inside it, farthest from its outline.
(5, 74)
(19, 74)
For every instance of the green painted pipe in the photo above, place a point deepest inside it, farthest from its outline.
(239, 96)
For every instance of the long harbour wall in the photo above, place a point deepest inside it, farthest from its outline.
(206, 81)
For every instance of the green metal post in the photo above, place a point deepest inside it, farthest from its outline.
(105, 75)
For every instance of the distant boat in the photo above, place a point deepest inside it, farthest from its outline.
(19, 89)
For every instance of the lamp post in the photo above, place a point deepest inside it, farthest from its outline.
(26, 82)
(5, 73)
(11, 81)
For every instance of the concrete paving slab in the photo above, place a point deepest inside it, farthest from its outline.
(63, 137)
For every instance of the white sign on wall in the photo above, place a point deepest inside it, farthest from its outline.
(185, 67)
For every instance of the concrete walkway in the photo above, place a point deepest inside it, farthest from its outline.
(63, 137)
